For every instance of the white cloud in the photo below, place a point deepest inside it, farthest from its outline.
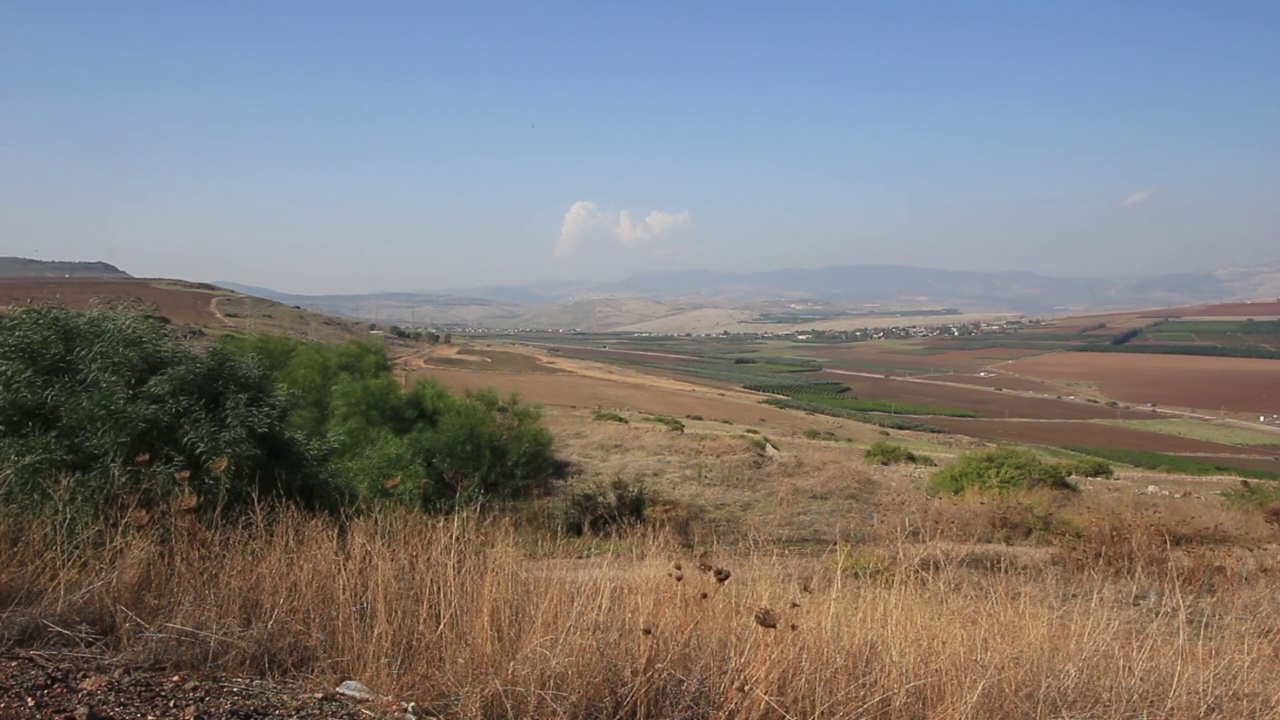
(1139, 197)
(586, 223)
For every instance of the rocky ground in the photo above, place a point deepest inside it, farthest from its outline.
(55, 686)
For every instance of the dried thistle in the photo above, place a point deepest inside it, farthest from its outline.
(794, 605)
(677, 566)
(219, 466)
(182, 475)
(705, 566)
(721, 574)
(646, 629)
(679, 577)
(142, 458)
(392, 483)
(188, 502)
(766, 618)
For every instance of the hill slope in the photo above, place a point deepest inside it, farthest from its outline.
(16, 267)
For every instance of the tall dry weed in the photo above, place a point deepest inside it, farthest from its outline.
(473, 619)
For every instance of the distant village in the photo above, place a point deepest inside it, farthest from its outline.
(896, 332)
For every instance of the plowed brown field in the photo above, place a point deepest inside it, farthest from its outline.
(180, 305)
(1205, 383)
(987, 402)
(1251, 309)
(1088, 434)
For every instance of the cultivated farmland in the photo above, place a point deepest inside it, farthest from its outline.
(1244, 385)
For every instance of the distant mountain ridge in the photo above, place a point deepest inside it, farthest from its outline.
(668, 294)
(16, 267)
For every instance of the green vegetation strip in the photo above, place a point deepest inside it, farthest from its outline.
(869, 418)
(1174, 464)
(1201, 430)
(1204, 350)
(833, 394)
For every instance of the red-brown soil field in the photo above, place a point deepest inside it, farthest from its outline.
(1007, 382)
(1088, 434)
(1205, 383)
(1268, 308)
(986, 402)
(180, 305)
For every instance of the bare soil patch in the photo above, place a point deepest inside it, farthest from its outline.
(1003, 381)
(184, 305)
(987, 402)
(1093, 435)
(1241, 309)
(1206, 383)
(47, 685)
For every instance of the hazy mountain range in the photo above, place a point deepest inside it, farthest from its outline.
(710, 301)
(826, 292)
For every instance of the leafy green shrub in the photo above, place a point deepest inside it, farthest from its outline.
(884, 453)
(425, 446)
(603, 416)
(598, 508)
(1002, 469)
(104, 413)
(826, 435)
(672, 424)
(1090, 468)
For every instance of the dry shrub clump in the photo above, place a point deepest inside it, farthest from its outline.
(472, 619)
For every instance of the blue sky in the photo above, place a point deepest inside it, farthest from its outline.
(342, 147)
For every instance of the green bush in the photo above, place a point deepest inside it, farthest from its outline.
(106, 413)
(672, 424)
(884, 453)
(425, 446)
(1091, 468)
(1002, 470)
(603, 416)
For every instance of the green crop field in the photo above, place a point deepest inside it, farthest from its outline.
(1230, 434)
(1164, 462)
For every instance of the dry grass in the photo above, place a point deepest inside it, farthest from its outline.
(473, 619)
